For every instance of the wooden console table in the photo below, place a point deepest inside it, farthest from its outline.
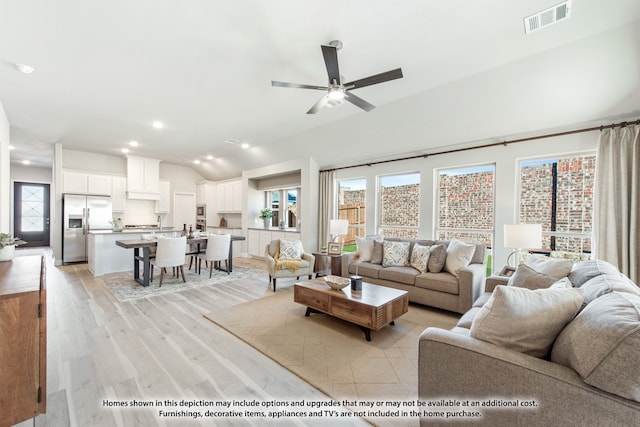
(371, 309)
(23, 339)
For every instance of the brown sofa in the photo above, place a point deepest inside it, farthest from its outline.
(441, 290)
(602, 343)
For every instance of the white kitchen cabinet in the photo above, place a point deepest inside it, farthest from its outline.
(264, 239)
(118, 193)
(253, 237)
(236, 196)
(163, 205)
(201, 193)
(259, 239)
(143, 178)
(99, 184)
(74, 182)
(229, 196)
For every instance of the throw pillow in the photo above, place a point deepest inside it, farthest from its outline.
(290, 249)
(607, 283)
(420, 257)
(437, 258)
(365, 247)
(602, 344)
(527, 277)
(555, 267)
(395, 254)
(524, 320)
(587, 270)
(376, 254)
(459, 255)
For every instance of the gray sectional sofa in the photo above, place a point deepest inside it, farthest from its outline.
(441, 290)
(590, 377)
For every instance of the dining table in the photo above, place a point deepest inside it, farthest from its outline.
(145, 245)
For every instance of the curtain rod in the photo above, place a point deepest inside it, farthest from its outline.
(494, 144)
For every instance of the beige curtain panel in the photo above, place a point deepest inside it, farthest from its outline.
(617, 199)
(326, 205)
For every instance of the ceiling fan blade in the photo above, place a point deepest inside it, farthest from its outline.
(330, 54)
(318, 105)
(296, 85)
(359, 102)
(378, 78)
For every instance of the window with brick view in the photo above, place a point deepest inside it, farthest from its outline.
(466, 203)
(399, 205)
(558, 193)
(351, 206)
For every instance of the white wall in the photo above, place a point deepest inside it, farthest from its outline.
(5, 167)
(31, 174)
(506, 160)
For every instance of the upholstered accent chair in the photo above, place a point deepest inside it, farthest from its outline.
(286, 258)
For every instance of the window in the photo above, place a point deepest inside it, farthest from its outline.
(558, 193)
(466, 203)
(351, 206)
(399, 209)
(285, 204)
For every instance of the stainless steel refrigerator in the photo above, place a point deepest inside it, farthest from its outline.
(80, 214)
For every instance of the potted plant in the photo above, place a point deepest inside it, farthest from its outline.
(266, 214)
(8, 245)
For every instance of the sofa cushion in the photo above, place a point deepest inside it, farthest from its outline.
(527, 277)
(420, 257)
(366, 269)
(459, 255)
(395, 254)
(607, 283)
(365, 246)
(479, 254)
(376, 254)
(586, 270)
(406, 275)
(524, 320)
(602, 344)
(441, 282)
(555, 267)
(437, 258)
(290, 249)
(467, 319)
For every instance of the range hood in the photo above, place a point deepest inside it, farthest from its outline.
(143, 178)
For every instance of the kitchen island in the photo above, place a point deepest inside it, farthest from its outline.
(104, 257)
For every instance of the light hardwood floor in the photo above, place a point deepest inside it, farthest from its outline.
(153, 348)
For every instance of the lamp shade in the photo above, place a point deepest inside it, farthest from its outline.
(338, 226)
(522, 236)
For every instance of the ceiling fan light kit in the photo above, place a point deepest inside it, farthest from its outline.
(336, 90)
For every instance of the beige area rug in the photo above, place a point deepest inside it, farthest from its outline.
(332, 354)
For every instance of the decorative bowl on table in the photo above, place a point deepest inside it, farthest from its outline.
(336, 282)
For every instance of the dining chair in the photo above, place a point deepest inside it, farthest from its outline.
(217, 250)
(170, 253)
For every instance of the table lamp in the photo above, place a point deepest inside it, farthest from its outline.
(338, 227)
(521, 237)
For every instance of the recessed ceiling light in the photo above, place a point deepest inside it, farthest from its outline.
(12, 147)
(125, 150)
(157, 124)
(133, 143)
(245, 145)
(209, 157)
(26, 162)
(197, 162)
(25, 68)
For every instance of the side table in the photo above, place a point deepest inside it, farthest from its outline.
(327, 264)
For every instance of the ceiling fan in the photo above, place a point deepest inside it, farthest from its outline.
(337, 91)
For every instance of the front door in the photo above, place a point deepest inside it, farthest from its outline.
(31, 213)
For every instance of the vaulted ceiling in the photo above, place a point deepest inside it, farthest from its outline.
(104, 71)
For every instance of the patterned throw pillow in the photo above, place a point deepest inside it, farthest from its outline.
(395, 254)
(290, 249)
(420, 257)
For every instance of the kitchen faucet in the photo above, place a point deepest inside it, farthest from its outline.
(160, 222)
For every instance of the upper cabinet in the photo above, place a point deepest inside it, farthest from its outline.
(119, 193)
(229, 196)
(143, 178)
(84, 183)
(163, 205)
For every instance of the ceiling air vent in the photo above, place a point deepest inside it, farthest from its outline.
(547, 17)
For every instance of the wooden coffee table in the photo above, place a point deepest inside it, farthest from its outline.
(371, 309)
